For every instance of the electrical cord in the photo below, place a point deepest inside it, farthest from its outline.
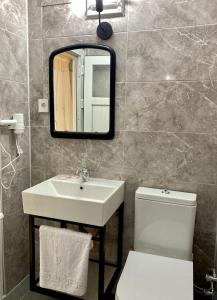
(6, 187)
(10, 164)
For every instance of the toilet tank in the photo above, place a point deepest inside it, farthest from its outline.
(164, 222)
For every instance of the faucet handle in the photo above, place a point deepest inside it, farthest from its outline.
(84, 169)
(85, 172)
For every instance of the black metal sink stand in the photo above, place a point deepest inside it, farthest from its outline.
(102, 293)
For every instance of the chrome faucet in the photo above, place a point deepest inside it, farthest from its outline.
(83, 174)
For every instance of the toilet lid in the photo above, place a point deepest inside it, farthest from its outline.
(151, 277)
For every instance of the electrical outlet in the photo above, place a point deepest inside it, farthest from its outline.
(43, 106)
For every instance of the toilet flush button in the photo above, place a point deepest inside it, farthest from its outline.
(167, 192)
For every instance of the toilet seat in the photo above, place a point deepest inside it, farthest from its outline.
(152, 277)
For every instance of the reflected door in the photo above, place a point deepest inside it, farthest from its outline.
(97, 94)
(65, 92)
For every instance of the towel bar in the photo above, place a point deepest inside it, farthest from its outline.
(100, 237)
(94, 238)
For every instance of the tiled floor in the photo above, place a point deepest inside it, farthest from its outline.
(35, 296)
(92, 289)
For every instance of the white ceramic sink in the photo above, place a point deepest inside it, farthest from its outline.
(67, 198)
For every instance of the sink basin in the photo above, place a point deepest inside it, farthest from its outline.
(67, 198)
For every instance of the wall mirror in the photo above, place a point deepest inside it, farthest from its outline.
(82, 91)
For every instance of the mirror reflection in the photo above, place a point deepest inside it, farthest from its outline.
(82, 90)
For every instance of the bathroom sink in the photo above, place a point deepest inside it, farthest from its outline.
(67, 198)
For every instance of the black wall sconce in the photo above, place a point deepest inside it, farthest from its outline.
(104, 29)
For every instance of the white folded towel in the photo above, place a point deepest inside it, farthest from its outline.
(64, 257)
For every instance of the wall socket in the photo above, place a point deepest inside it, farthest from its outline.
(43, 106)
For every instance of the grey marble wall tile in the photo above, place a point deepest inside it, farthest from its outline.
(66, 156)
(200, 160)
(119, 113)
(119, 106)
(13, 91)
(53, 154)
(120, 90)
(13, 16)
(38, 140)
(152, 157)
(129, 211)
(174, 54)
(120, 99)
(24, 142)
(13, 201)
(69, 19)
(73, 155)
(35, 19)
(13, 99)
(51, 171)
(17, 270)
(105, 158)
(46, 152)
(36, 62)
(204, 251)
(21, 180)
(15, 231)
(36, 91)
(36, 81)
(171, 106)
(151, 14)
(37, 175)
(205, 231)
(207, 209)
(158, 157)
(54, 2)
(13, 53)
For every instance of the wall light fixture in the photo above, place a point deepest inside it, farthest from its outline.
(104, 29)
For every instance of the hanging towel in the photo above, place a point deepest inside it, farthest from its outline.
(64, 258)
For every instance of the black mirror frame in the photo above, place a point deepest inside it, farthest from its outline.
(84, 135)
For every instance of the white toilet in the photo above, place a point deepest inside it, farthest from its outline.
(161, 266)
